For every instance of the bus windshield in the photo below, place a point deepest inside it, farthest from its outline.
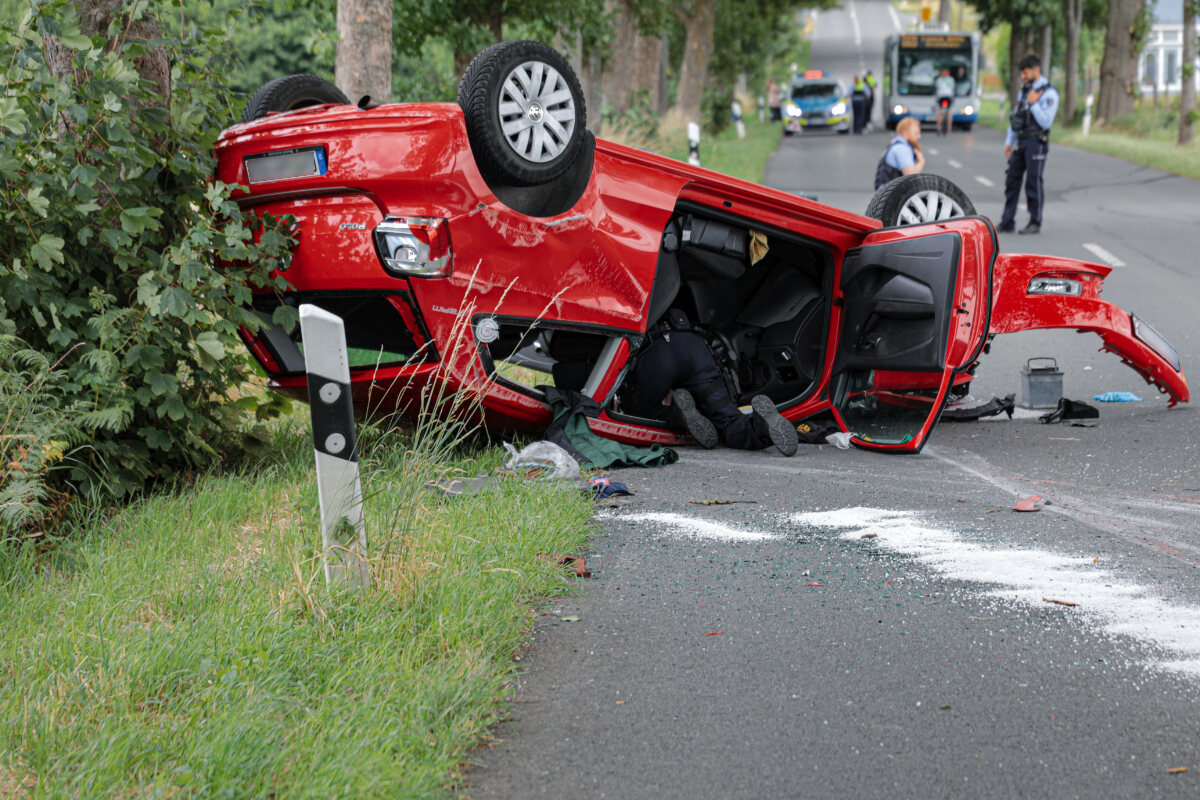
(917, 68)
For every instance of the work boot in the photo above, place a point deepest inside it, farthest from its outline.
(769, 424)
(1009, 228)
(1032, 227)
(698, 425)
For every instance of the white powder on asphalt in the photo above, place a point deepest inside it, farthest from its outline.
(1030, 576)
(683, 525)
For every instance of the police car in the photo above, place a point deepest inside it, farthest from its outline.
(816, 100)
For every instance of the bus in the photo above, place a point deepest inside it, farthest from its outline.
(912, 61)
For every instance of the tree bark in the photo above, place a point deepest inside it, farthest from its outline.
(1187, 92)
(95, 16)
(699, 26)
(364, 51)
(1118, 69)
(944, 11)
(1072, 11)
(633, 63)
(1016, 51)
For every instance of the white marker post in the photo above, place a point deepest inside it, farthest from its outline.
(693, 136)
(1087, 115)
(736, 108)
(339, 488)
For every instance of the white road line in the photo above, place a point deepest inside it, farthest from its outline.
(984, 180)
(895, 18)
(933, 152)
(1102, 254)
(955, 164)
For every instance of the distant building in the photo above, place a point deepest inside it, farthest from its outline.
(1160, 66)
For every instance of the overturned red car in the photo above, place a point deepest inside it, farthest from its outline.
(493, 246)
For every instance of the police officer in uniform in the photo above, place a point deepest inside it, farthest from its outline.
(1026, 146)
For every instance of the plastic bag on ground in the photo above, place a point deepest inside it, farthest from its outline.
(552, 460)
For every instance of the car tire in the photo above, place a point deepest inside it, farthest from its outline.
(918, 199)
(522, 134)
(289, 93)
(786, 132)
(844, 132)
(966, 127)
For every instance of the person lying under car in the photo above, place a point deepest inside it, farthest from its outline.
(676, 380)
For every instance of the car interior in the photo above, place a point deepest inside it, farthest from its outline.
(759, 298)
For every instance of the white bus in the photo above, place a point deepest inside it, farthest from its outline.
(913, 60)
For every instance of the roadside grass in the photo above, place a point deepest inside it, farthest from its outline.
(1146, 137)
(188, 647)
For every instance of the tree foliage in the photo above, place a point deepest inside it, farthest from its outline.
(120, 263)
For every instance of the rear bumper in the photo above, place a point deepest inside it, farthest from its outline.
(1014, 309)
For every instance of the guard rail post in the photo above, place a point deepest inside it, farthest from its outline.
(339, 485)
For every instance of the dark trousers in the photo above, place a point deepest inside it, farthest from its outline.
(682, 360)
(858, 103)
(1028, 161)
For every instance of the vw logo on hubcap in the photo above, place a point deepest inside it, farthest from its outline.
(535, 112)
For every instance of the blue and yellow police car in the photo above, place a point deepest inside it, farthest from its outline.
(816, 100)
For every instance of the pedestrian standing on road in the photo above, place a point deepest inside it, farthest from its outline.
(774, 100)
(943, 92)
(858, 103)
(903, 154)
(869, 80)
(1026, 145)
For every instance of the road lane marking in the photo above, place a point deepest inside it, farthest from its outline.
(984, 181)
(1102, 254)
(895, 18)
(933, 152)
(1028, 576)
(955, 164)
(857, 30)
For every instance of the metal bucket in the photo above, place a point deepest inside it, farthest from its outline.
(1041, 384)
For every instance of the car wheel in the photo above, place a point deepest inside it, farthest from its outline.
(786, 132)
(524, 111)
(844, 131)
(966, 127)
(289, 93)
(916, 199)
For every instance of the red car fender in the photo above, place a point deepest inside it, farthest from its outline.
(1014, 309)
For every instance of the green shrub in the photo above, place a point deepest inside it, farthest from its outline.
(115, 246)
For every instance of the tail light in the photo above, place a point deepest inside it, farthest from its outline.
(414, 246)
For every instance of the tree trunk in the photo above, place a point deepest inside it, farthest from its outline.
(699, 27)
(1046, 51)
(1118, 69)
(1016, 51)
(633, 63)
(1187, 92)
(1073, 22)
(95, 16)
(364, 51)
(944, 11)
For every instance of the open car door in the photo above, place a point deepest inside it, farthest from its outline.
(915, 306)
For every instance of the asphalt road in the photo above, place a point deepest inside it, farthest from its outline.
(868, 626)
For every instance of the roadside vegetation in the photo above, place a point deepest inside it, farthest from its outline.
(1147, 137)
(186, 646)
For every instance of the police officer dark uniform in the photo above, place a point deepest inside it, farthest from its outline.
(678, 365)
(1026, 146)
